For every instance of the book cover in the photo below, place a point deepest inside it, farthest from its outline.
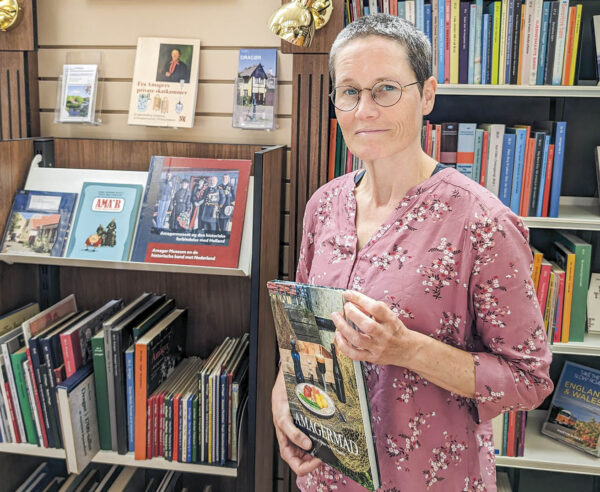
(442, 42)
(39, 223)
(255, 89)
(165, 82)
(130, 398)
(506, 169)
(449, 143)
(496, 139)
(543, 43)
(193, 212)
(519, 159)
(465, 148)
(485, 43)
(17, 358)
(565, 259)
(559, 274)
(561, 35)
(13, 319)
(574, 415)
(78, 93)
(463, 44)
(105, 221)
(593, 304)
(101, 387)
(543, 176)
(513, 76)
(326, 390)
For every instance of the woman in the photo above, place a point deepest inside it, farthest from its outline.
(439, 270)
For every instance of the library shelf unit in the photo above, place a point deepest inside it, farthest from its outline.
(221, 302)
(518, 90)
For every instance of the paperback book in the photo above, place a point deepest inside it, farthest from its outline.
(165, 82)
(256, 89)
(193, 212)
(574, 414)
(39, 223)
(105, 221)
(326, 390)
(77, 103)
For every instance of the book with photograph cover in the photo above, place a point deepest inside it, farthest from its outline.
(77, 102)
(255, 96)
(193, 212)
(574, 414)
(165, 82)
(326, 390)
(105, 221)
(39, 223)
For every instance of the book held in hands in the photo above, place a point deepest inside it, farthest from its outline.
(326, 390)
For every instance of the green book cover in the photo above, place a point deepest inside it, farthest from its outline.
(99, 363)
(581, 280)
(17, 358)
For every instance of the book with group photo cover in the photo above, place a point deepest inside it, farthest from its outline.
(165, 82)
(193, 212)
(326, 390)
(574, 414)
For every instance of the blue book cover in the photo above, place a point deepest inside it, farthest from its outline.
(558, 139)
(506, 171)
(478, 154)
(105, 222)
(427, 21)
(39, 223)
(73, 381)
(419, 14)
(441, 39)
(485, 41)
(543, 43)
(472, 22)
(130, 389)
(520, 146)
(574, 414)
(401, 9)
(540, 201)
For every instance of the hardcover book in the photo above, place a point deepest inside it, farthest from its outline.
(326, 390)
(105, 222)
(165, 82)
(39, 223)
(574, 414)
(193, 212)
(256, 89)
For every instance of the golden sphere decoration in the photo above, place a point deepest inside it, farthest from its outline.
(297, 21)
(11, 14)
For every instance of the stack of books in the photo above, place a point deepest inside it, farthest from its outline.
(509, 433)
(527, 42)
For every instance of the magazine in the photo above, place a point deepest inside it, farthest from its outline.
(39, 223)
(574, 414)
(256, 89)
(193, 212)
(165, 82)
(78, 93)
(326, 390)
(105, 221)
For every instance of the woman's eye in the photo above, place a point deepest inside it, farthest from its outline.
(350, 92)
(388, 88)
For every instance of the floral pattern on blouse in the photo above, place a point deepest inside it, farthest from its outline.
(454, 263)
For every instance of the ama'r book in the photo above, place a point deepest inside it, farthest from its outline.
(326, 390)
(193, 212)
(574, 414)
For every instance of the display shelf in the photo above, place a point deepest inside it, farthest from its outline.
(575, 212)
(589, 346)
(518, 90)
(113, 458)
(544, 453)
(31, 450)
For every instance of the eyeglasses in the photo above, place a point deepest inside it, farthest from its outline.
(385, 93)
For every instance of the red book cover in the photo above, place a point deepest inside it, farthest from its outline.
(149, 428)
(59, 373)
(11, 408)
(38, 404)
(71, 350)
(193, 212)
(511, 433)
(570, 38)
(438, 142)
(484, 157)
(548, 182)
(176, 399)
(557, 322)
(544, 284)
(160, 427)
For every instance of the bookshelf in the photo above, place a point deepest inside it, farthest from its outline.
(221, 302)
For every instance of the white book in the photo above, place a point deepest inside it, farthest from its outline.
(38, 323)
(536, 34)
(6, 405)
(478, 20)
(32, 405)
(498, 431)
(4, 423)
(527, 41)
(494, 164)
(10, 345)
(410, 11)
(373, 7)
(593, 304)
(561, 36)
(503, 47)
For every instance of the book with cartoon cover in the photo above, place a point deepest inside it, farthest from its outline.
(326, 390)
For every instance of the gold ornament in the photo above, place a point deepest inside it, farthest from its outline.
(296, 21)
(11, 14)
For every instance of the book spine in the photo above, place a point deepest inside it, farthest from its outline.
(419, 21)
(9, 411)
(478, 154)
(23, 398)
(560, 129)
(140, 399)
(148, 429)
(581, 275)
(465, 149)
(511, 433)
(576, 35)
(100, 381)
(523, 424)
(477, 46)
(463, 47)
(38, 401)
(110, 384)
(13, 413)
(435, 29)
(454, 40)
(569, 38)
(130, 400)
(190, 411)
(557, 323)
(497, 18)
(484, 158)
(441, 40)
(447, 40)
(32, 404)
(515, 42)
(49, 381)
(223, 419)
(427, 21)
(13, 392)
(568, 301)
(234, 422)
(485, 41)
(520, 142)
(161, 423)
(537, 173)
(510, 21)
(529, 8)
(551, 48)
(535, 38)
(543, 285)
(543, 43)
(119, 388)
(542, 185)
(527, 172)
(561, 34)
(36, 364)
(71, 351)
(504, 8)
(506, 170)
(449, 144)
(195, 429)
(548, 181)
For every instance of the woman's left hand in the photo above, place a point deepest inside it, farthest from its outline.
(383, 338)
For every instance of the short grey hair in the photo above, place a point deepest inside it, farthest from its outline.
(415, 42)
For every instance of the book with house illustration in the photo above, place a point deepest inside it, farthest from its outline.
(255, 94)
(39, 223)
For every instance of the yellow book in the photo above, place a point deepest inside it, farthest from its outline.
(571, 80)
(566, 260)
(497, 9)
(537, 266)
(548, 306)
(454, 40)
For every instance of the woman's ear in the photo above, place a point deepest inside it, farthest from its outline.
(428, 99)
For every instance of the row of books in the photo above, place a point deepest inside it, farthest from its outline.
(99, 478)
(509, 433)
(88, 381)
(192, 213)
(561, 273)
(528, 42)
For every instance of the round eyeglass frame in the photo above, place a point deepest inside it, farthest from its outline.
(370, 89)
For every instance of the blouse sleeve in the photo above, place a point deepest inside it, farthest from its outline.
(511, 369)
(306, 246)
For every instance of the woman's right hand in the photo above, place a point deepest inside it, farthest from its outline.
(293, 443)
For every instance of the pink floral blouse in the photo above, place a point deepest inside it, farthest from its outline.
(452, 262)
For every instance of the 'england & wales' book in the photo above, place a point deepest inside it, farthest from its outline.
(326, 390)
